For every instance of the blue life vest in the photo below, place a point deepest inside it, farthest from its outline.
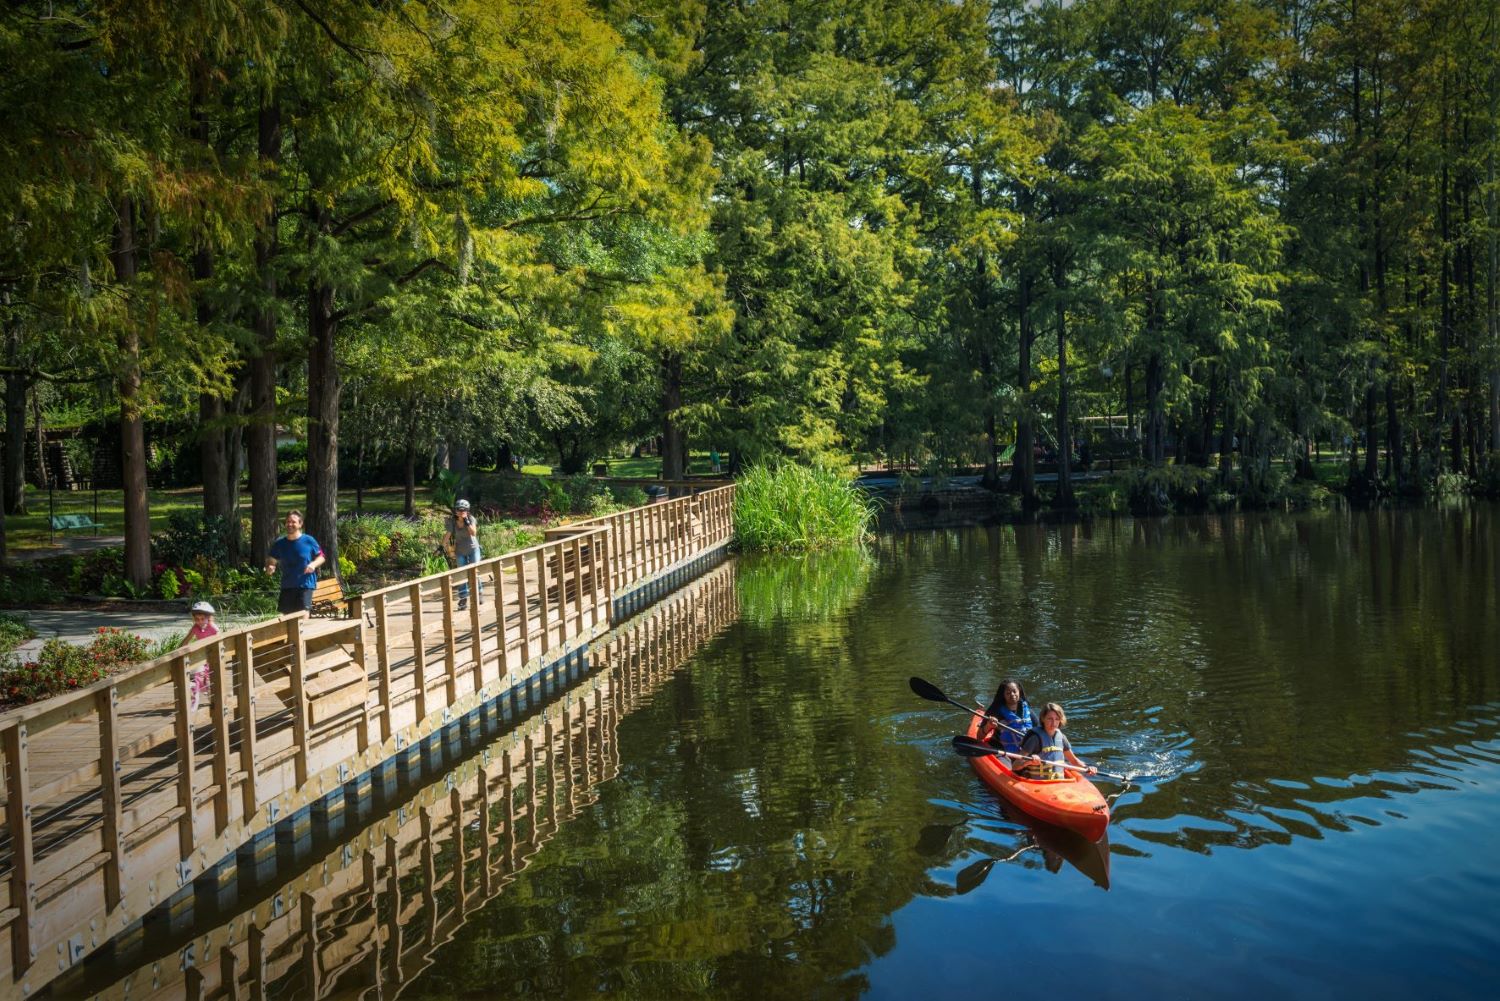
(1010, 740)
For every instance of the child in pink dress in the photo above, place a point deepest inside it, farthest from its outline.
(203, 628)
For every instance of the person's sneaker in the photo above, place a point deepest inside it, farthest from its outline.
(463, 603)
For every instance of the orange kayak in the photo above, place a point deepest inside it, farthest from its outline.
(1072, 803)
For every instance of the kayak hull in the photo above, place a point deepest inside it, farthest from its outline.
(1073, 803)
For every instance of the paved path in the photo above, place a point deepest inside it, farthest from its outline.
(79, 626)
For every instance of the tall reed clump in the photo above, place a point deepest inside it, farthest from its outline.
(790, 508)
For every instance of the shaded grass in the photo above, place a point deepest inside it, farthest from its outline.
(793, 508)
(30, 531)
(649, 467)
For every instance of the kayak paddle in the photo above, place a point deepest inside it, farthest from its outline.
(971, 748)
(931, 692)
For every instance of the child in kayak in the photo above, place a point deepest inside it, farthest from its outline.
(1009, 717)
(1048, 746)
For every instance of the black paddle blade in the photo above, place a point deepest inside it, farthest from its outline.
(927, 690)
(970, 876)
(971, 748)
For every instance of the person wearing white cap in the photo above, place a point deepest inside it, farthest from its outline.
(203, 628)
(461, 540)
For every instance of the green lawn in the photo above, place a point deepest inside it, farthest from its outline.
(30, 531)
(649, 467)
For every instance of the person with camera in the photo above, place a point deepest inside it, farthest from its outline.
(461, 541)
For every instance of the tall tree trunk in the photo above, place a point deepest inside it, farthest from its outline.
(132, 427)
(1064, 497)
(1393, 457)
(1023, 465)
(43, 473)
(211, 440)
(1492, 242)
(1445, 315)
(981, 333)
(1156, 418)
(458, 458)
(323, 384)
(673, 441)
(16, 385)
(260, 431)
(409, 476)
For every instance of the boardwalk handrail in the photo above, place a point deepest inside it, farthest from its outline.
(70, 705)
(119, 793)
(463, 570)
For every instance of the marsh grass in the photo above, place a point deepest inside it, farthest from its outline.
(790, 508)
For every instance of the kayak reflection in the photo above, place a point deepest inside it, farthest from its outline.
(1057, 845)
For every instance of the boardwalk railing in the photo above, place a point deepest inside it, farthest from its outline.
(371, 915)
(645, 541)
(119, 794)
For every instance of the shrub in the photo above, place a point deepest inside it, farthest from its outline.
(1164, 489)
(291, 462)
(14, 631)
(1100, 500)
(190, 537)
(792, 508)
(1450, 485)
(90, 572)
(1487, 482)
(26, 589)
(168, 585)
(62, 667)
(445, 488)
(499, 537)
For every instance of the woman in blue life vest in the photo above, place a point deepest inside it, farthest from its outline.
(1008, 717)
(1048, 747)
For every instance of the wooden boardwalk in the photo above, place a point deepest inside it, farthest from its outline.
(118, 795)
(367, 916)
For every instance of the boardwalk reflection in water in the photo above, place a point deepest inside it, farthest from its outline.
(379, 888)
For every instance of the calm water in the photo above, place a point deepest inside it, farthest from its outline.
(1312, 706)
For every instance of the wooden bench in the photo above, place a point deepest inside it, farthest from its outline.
(75, 523)
(328, 601)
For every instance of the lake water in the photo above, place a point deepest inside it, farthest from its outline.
(1310, 703)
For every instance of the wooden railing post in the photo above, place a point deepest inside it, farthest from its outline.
(18, 820)
(542, 558)
(577, 551)
(383, 665)
(244, 663)
(184, 729)
(502, 647)
(299, 695)
(219, 702)
(418, 649)
(525, 605)
(106, 705)
(476, 639)
(595, 584)
(450, 652)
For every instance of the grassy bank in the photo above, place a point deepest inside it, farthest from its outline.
(792, 508)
